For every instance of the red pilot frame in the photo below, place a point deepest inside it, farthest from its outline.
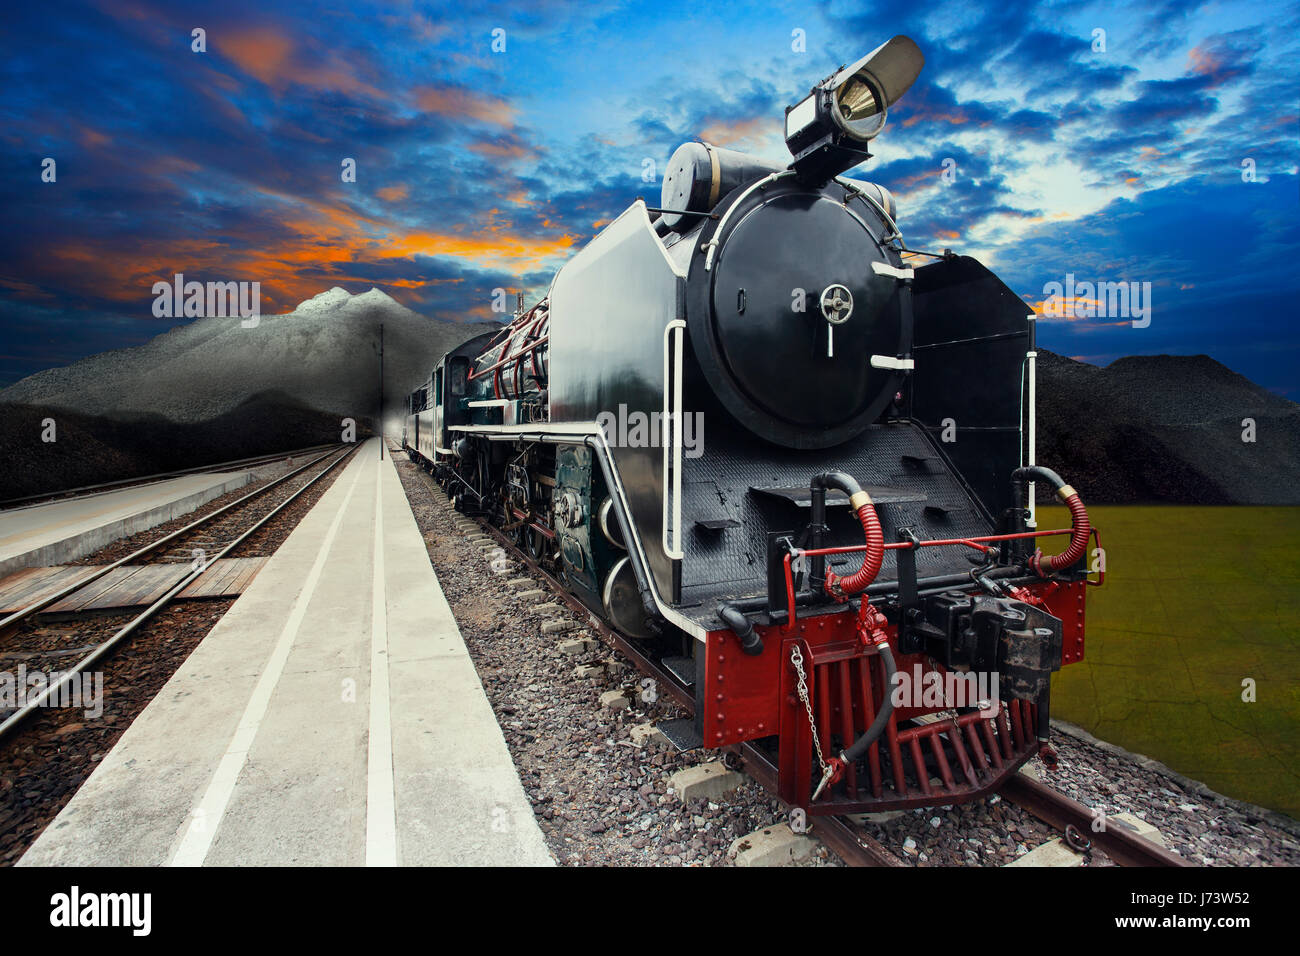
(970, 754)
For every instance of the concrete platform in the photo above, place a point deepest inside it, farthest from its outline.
(332, 717)
(60, 531)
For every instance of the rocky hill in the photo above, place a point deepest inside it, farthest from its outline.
(1168, 429)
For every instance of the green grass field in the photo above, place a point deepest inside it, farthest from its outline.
(1196, 600)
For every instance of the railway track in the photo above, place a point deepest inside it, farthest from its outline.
(150, 549)
(216, 535)
(1073, 820)
(88, 491)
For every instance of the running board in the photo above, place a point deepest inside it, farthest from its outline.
(682, 734)
(683, 668)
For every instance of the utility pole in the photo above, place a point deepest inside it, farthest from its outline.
(381, 391)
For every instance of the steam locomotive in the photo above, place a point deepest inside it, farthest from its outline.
(796, 470)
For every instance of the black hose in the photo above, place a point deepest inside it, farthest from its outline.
(933, 584)
(1080, 526)
(837, 479)
(817, 523)
(1038, 473)
(750, 641)
(882, 716)
(1028, 473)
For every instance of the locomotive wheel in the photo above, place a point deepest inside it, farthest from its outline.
(500, 513)
(536, 542)
(516, 536)
(622, 600)
(609, 524)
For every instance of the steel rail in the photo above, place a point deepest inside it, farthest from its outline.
(849, 842)
(37, 606)
(144, 480)
(126, 630)
(1121, 844)
(852, 846)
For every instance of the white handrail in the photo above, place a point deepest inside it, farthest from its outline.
(1032, 359)
(671, 439)
(711, 247)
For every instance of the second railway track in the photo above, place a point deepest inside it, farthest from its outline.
(46, 753)
(199, 544)
(255, 503)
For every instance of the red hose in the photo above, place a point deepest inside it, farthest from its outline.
(1080, 527)
(871, 560)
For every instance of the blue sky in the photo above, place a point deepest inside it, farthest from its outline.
(479, 169)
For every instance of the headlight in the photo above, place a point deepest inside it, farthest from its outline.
(827, 131)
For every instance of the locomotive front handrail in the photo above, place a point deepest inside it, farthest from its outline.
(1101, 567)
(671, 425)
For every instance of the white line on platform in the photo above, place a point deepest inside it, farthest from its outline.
(194, 846)
(381, 810)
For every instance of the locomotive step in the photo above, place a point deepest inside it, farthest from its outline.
(716, 524)
(682, 734)
(683, 668)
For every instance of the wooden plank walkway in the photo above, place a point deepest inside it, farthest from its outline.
(127, 586)
(21, 588)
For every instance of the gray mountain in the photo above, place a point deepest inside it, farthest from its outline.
(212, 390)
(1167, 428)
(323, 355)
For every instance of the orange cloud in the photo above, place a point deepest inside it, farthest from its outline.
(454, 101)
(393, 193)
(262, 53)
(1202, 61)
(93, 138)
(725, 132)
(272, 57)
(1213, 64)
(955, 118)
(1073, 310)
(1053, 216)
(320, 244)
(907, 184)
(494, 248)
(500, 149)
